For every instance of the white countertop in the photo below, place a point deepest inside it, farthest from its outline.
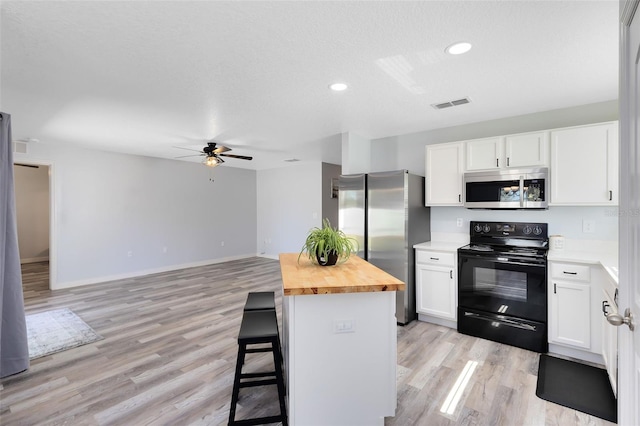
(602, 253)
(447, 246)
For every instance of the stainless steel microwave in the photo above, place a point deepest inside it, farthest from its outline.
(507, 189)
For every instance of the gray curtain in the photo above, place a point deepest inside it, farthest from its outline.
(14, 350)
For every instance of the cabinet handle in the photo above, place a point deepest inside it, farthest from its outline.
(554, 288)
(451, 273)
(497, 162)
(459, 198)
(434, 258)
(569, 273)
(610, 195)
(507, 161)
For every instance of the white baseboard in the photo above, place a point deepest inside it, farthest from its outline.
(268, 256)
(439, 321)
(576, 353)
(103, 279)
(34, 260)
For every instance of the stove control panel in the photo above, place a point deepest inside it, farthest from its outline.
(509, 229)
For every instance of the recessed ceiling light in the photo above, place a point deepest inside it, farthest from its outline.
(338, 87)
(458, 48)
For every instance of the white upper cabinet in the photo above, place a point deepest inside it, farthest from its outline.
(484, 154)
(511, 151)
(584, 165)
(526, 150)
(443, 171)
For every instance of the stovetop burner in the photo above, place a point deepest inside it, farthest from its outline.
(510, 250)
(514, 238)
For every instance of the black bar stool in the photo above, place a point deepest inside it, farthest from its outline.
(258, 327)
(260, 301)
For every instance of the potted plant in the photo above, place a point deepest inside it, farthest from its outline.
(328, 246)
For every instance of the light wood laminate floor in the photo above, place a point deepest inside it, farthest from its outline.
(169, 348)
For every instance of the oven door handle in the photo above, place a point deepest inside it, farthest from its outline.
(511, 261)
(502, 320)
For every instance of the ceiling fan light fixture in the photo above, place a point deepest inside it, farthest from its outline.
(458, 48)
(212, 161)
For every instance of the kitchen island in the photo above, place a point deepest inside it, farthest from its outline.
(339, 342)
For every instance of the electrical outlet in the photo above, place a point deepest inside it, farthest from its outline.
(221, 243)
(129, 253)
(459, 222)
(164, 250)
(588, 226)
(344, 326)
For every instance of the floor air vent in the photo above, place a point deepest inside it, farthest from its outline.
(448, 104)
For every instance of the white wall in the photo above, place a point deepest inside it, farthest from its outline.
(330, 205)
(409, 148)
(289, 205)
(356, 154)
(32, 210)
(110, 205)
(407, 152)
(565, 221)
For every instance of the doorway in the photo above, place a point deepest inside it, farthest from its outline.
(33, 213)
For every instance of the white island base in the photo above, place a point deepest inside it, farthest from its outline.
(340, 356)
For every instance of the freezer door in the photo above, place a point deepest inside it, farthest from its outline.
(352, 209)
(387, 232)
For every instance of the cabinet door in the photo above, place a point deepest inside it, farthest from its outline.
(570, 314)
(443, 170)
(584, 165)
(526, 150)
(436, 291)
(484, 154)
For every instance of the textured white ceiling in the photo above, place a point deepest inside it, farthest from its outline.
(144, 77)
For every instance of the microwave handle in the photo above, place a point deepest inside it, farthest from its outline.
(521, 191)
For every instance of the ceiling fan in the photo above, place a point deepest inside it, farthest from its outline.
(213, 152)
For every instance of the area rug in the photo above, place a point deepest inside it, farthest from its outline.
(578, 386)
(55, 331)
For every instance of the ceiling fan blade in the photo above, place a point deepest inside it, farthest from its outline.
(188, 149)
(27, 165)
(241, 157)
(194, 155)
(221, 148)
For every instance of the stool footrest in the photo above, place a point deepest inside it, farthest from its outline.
(253, 375)
(255, 383)
(259, 420)
(257, 350)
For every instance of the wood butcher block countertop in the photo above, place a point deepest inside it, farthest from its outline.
(353, 276)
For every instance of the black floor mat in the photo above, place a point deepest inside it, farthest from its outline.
(578, 386)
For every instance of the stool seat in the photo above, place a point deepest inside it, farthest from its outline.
(258, 327)
(260, 300)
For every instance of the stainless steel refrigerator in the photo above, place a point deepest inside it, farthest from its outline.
(385, 213)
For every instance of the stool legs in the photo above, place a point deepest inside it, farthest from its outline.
(259, 327)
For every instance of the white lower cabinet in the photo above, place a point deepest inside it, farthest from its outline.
(575, 317)
(569, 314)
(436, 284)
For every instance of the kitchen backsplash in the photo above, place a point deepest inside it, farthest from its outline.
(567, 221)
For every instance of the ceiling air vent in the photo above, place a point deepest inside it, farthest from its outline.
(291, 160)
(20, 147)
(448, 104)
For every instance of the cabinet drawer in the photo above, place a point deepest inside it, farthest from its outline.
(435, 257)
(569, 271)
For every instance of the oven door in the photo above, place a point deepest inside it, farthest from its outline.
(508, 285)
